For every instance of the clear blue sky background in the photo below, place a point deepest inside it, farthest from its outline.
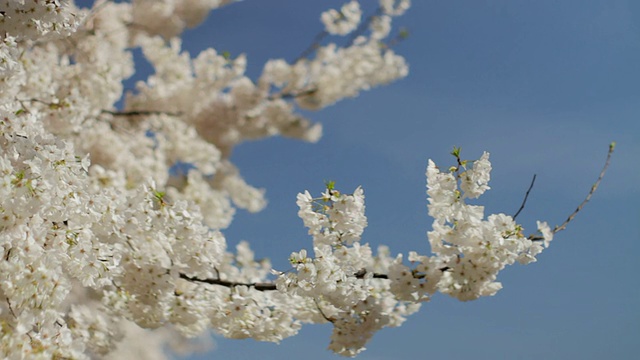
(544, 86)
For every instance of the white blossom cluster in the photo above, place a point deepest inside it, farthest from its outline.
(339, 277)
(343, 21)
(110, 247)
(471, 249)
(360, 293)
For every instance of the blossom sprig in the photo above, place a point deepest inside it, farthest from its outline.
(339, 277)
(343, 21)
(342, 277)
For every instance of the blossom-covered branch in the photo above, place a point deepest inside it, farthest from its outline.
(110, 227)
(263, 286)
(268, 286)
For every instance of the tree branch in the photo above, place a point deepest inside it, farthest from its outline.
(264, 286)
(231, 284)
(315, 44)
(400, 37)
(362, 27)
(526, 195)
(292, 95)
(591, 192)
(140, 113)
(360, 274)
(322, 312)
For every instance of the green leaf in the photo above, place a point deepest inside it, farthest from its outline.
(330, 184)
(456, 152)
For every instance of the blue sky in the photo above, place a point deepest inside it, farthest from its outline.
(544, 86)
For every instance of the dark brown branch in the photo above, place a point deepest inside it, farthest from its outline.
(140, 113)
(362, 272)
(263, 286)
(10, 308)
(526, 196)
(594, 187)
(293, 95)
(231, 284)
(322, 312)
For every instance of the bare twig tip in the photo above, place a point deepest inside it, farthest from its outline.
(563, 226)
(526, 195)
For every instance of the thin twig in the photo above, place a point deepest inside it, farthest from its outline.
(400, 37)
(11, 308)
(315, 44)
(322, 312)
(593, 190)
(21, 101)
(363, 26)
(524, 201)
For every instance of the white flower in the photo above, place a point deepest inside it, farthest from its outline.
(546, 232)
(475, 181)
